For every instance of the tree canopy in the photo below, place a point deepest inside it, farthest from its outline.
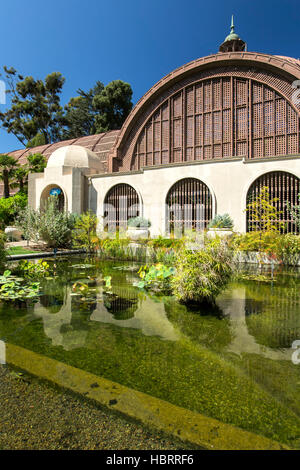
(35, 106)
(37, 117)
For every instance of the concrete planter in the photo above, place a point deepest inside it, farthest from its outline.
(13, 234)
(135, 233)
(220, 232)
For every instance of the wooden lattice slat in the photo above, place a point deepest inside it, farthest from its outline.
(219, 118)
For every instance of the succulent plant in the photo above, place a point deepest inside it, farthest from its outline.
(139, 222)
(221, 221)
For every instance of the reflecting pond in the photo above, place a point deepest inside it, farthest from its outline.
(231, 361)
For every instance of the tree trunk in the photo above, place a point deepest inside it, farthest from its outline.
(6, 183)
(21, 185)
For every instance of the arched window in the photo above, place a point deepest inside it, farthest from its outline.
(120, 204)
(284, 187)
(53, 191)
(188, 206)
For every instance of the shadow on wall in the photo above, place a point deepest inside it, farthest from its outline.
(93, 199)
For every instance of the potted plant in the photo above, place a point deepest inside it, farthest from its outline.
(220, 225)
(138, 227)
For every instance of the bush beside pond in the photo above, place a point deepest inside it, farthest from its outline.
(202, 275)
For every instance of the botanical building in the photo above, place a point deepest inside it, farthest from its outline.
(208, 135)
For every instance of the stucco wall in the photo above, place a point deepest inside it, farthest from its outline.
(70, 180)
(228, 182)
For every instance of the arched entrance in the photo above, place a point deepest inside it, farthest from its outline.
(189, 206)
(284, 188)
(53, 190)
(120, 204)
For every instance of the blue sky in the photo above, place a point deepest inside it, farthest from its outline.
(137, 41)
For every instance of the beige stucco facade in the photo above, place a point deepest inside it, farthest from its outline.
(228, 182)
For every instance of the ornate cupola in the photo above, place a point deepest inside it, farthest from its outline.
(233, 43)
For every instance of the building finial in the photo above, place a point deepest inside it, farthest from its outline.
(232, 43)
(232, 25)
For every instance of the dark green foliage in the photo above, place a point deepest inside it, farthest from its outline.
(80, 113)
(36, 163)
(35, 107)
(113, 106)
(101, 109)
(36, 116)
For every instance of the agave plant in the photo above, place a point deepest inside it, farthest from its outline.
(221, 221)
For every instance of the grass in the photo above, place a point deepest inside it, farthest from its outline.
(19, 250)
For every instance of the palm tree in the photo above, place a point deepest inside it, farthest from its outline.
(21, 178)
(7, 170)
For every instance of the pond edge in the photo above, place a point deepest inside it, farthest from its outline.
(189, 426)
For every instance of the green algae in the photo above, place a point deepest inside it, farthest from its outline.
(167, 351)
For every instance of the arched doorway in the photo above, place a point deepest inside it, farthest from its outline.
(120, 204)
(55, 191)
(284, 188)
(189, 206)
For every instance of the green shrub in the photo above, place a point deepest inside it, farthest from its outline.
(85, 232)
(115, 248)
(161, 242)
(10, 208)
(202, 275)
(256, 241)
(286, 248)
(48, 224)
(221, 221)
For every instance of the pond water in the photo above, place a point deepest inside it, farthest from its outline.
(232, 361)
